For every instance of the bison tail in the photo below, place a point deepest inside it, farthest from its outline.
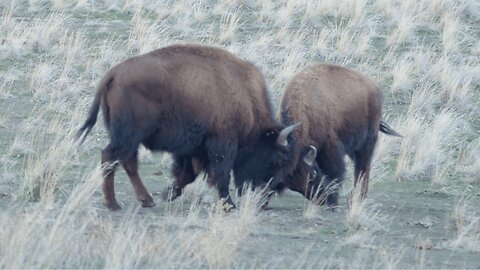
(92, 114)
(385, 128)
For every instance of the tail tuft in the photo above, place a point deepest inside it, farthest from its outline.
(385, 128)
(92, 114)
(86, 128)
(89, 123)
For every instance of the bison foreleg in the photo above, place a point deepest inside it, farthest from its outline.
(223, 182)
(220, 162)
(184, 174)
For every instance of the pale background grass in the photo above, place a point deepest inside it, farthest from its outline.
(423, 207)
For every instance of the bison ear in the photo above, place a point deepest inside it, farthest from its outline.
(309, 158)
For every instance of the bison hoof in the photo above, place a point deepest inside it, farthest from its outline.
(318, 200)
(332, 199)
(228, 205)
(112, 206)
(264, 206)
(148, 202)
(171, 193)
(265, 200)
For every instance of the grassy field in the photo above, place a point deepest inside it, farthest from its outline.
(422, 210)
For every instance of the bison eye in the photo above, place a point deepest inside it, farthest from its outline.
(270, 133)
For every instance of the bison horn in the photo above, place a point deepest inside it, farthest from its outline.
(282, 137)
(310, 156)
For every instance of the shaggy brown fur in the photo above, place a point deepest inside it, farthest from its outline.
(340, 111)
(202, 104)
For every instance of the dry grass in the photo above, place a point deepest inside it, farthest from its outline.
(467, 225)
(424, 55)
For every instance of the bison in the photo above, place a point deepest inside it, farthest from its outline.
(340, 111)
(202, 104)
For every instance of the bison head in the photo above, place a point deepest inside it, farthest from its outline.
(265, 157)
(311, 182)
(305, 177)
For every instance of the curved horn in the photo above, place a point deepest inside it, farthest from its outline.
(310, 156)
(282, 137)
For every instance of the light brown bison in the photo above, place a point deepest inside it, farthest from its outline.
(340, 113)
(202, 104)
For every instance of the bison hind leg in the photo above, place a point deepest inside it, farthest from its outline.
(331, 162)
(362, 160)
(109, 166)
(123, 149)
(141, 193)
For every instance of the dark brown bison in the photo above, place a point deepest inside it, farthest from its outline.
(205, 106)
(340, 114)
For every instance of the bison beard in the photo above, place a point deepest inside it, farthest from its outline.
(204, 105)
